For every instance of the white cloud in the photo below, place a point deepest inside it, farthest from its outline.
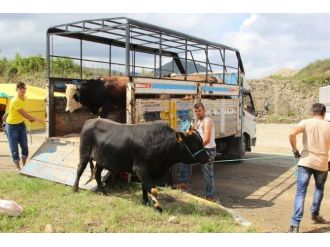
(267, 42)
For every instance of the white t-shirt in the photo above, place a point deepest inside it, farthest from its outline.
(200, 124)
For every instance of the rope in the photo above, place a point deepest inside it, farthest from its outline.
(264, 158)
(261, 158)
(29, 133)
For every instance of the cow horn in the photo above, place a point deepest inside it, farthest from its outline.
(188, 132)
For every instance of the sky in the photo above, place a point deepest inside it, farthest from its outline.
(267, 42)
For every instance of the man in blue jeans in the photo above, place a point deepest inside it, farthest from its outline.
(205, 128)
(313, 161)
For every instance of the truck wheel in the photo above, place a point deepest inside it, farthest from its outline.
(236, 149)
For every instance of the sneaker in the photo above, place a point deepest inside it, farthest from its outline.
(210, 199)
(317, 219)
(182, 186)
(293, 229)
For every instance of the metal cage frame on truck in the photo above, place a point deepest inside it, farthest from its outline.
(138, 37)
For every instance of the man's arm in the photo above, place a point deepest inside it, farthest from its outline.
(28, 116)
(4, 117)
(207, 131)
(293, 139)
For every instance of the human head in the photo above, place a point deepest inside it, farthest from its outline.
(199, 110)
(20, 88)
(318, 109)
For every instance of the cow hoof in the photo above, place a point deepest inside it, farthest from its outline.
(159, 209)
(146, 203)
(101, 191)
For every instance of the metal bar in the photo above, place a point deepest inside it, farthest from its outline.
(224, 67)
(110, 59)
(208, 61)
(155, 58)
(206, 69)
(50, 101)
(81, 59)
(160, 54)
(88, 60)
(185, 62)
(194, 61)
(127, 50)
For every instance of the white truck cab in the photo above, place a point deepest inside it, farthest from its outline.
(324, 98)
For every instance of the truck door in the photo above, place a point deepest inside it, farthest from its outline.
(249, 121)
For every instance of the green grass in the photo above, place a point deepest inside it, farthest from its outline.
(46, 202)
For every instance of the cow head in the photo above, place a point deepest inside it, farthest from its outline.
(72, 98)
(193, 144)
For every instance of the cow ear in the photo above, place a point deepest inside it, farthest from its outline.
(180, 137)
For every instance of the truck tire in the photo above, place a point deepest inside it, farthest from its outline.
(236, 148)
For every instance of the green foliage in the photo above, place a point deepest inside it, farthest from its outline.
(63, 67)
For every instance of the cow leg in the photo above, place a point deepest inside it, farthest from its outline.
(148, 187)
(98, 172)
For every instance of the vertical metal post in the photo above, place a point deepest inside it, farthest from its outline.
(185, 59)
(50, 99)
(127, 46)
(81, 59)
(130, 99)
(160, 54)
(110, 60)
(240, 83)
(224, 66)
(206, 61)
(134, 62)
(155, 58)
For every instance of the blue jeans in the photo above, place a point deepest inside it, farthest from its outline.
(16, 134)
(304, 175)
(207, 169)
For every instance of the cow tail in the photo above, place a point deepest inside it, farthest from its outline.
(85, 152)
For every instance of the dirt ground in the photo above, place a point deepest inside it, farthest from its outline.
(262, 189)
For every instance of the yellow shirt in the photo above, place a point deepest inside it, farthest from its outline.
(316, 144)
(14, 117)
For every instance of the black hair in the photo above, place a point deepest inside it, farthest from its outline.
(319, 109)
(199, 104)
(20, 85)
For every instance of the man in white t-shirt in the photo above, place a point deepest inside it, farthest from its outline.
(313, 161)
(205, 128)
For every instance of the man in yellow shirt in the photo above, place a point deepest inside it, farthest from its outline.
(15, 126)
(313, 161)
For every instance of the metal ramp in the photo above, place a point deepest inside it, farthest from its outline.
(57, 160)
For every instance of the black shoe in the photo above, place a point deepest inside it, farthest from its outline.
(294, 229)
(317, 219)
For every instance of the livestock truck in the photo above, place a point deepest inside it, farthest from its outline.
(168, 73)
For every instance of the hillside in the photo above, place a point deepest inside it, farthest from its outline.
(291, 92)
(317, 72)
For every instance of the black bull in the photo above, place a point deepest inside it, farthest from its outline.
(147, 150)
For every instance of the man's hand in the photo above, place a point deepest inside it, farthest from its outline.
(296, 154)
